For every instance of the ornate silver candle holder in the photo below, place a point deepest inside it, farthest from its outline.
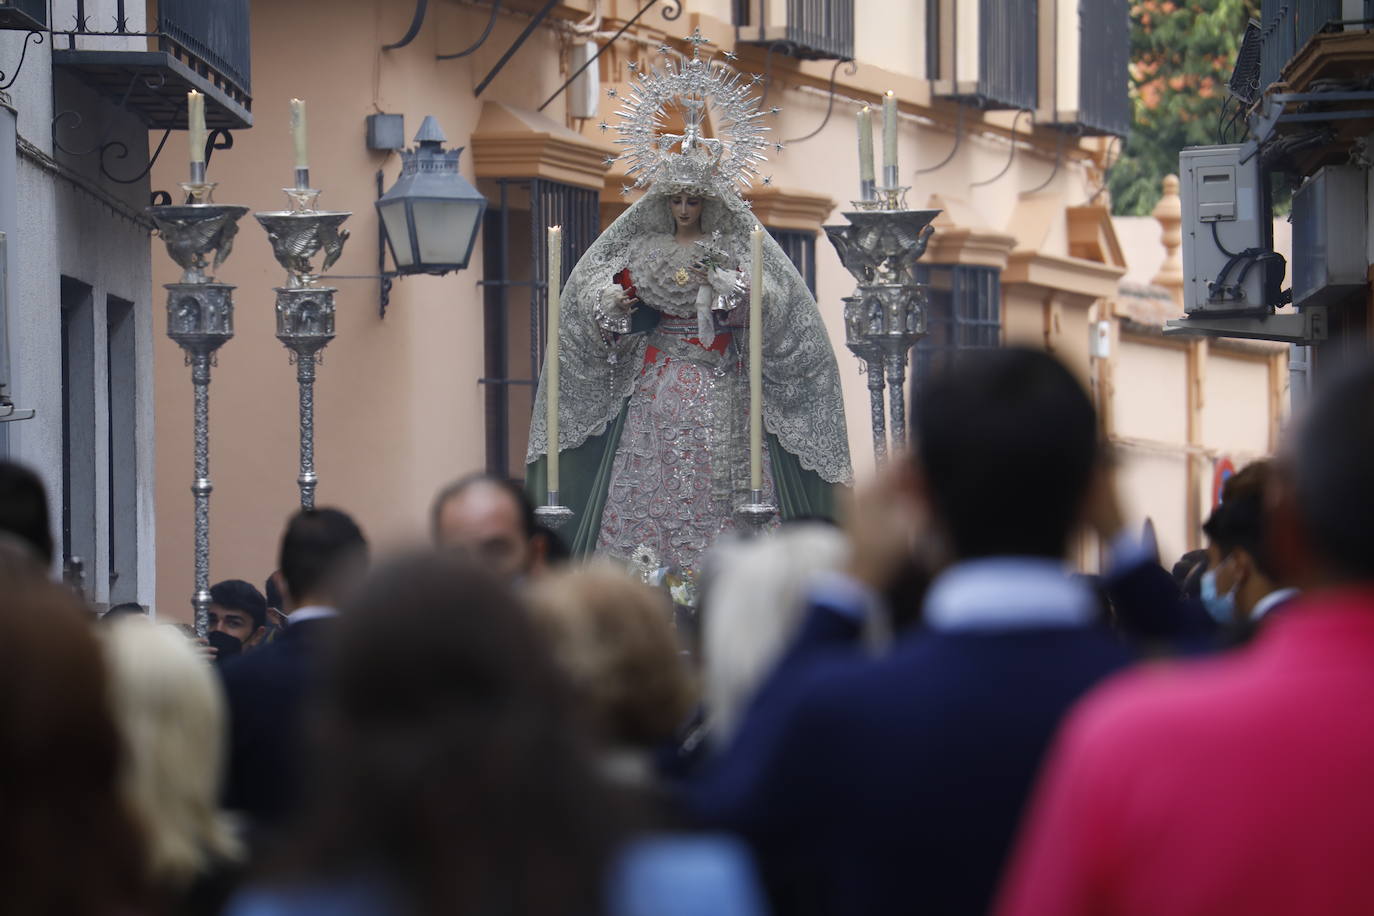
(552, 515)
(200, 318)
(756, 514)
(305, 311)
(887, 313)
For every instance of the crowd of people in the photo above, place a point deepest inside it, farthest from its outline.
(927, 708)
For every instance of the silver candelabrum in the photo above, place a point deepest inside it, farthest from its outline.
(887, 313)
(200, 317)
(305, 310)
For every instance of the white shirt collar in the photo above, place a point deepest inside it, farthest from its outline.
(1008, 593)
(310, 612)
(1271, 601)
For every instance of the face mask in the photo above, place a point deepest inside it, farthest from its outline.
(1221, 607)
(227, 645)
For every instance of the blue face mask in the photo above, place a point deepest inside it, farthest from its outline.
(1221, 607)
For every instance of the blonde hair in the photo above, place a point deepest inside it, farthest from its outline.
(170, 710)
(613, 636)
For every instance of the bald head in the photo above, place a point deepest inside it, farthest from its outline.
(489, 518)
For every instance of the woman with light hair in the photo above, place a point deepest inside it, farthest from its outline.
(170, 710)
(754, 606)
(613, 637)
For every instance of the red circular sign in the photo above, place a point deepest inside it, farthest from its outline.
(1223, 469)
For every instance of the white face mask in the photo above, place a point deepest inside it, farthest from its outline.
(1221, 607)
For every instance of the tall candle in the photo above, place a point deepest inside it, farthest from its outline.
(756, 360)
(889, 135)
(195, 125)
(551, 352)
(298, 133)
(865, 147)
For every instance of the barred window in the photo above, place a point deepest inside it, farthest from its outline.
(800, 248)
(515, 247)
(964, 312)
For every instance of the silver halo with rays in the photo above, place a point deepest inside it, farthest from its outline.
(698, 87)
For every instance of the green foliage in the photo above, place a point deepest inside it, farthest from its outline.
(1182, 53)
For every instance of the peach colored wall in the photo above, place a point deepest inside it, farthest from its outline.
(1235, 408)
(1151, 384)
(398, 408)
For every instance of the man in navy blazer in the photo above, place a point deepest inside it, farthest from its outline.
(321, 551)
(895, 785)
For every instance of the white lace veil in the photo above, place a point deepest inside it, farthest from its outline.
(802, 404)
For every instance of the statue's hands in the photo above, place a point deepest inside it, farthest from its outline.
(728, 285)
(613, 309)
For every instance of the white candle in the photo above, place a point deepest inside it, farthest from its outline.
(865, 145)
(195, 125)
(756, 360)
(551, 352)
(889, 132)
(298, 133)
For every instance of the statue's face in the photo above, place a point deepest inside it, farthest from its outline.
(686, 211)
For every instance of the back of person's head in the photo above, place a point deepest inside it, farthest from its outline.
(169, 707)
(238, 595)
(1238, 523)
(67, 842)
(1006, 441)
(24, 509)
(448, 757)
(318, 547)
(613, 636)
(754, 603)
(1333, 477)
(123, 610)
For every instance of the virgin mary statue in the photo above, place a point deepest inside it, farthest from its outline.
(653, 352)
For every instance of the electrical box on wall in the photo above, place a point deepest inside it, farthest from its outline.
(1228, 264)
(1329, 235)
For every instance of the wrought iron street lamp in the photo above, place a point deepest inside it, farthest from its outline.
(431, 216)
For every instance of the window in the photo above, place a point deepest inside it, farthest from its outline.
(963, 312)
(800, 248)
(515, 237)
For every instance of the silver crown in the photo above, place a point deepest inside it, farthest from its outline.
(696, 88)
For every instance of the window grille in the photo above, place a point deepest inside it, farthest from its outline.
(800, 248)
(515, 307)
(964, 312)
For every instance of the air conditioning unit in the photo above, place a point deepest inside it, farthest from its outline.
(1229, 267)
(1329, 219)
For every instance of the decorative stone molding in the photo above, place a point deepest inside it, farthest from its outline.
(780, 208)
(961, 238)
(510, 142)
(1169, 213)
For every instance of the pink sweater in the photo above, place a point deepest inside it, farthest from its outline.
(1243, 784)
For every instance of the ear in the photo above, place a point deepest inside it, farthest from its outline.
(539, 553)
(255, 638)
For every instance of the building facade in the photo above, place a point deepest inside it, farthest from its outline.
(1009, 138)
(83, 84)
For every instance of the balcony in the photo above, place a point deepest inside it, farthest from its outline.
(984, 52)
(192, 44)
(809, 30)
(1104, 54)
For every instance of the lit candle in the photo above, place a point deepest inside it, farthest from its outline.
(195, 125)
(756, 361)
(298, 133)
(866, 152)
(890, 139)
(551, 353)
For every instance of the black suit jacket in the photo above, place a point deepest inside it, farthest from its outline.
(267, 690)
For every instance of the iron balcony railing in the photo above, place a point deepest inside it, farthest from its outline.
(1008, 53)
(1104, 44)
(1287, 25)
(216, 31)
(815, 29)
